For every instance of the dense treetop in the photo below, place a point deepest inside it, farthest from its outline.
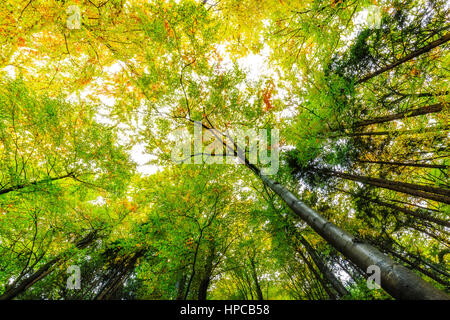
(92, 93)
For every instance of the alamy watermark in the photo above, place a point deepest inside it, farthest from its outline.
(234, 146)
(373, 18)
(374, 278)
(74, 18)
(74, 280)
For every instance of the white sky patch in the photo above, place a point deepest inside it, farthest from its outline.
(100, 201)
(10, 71)
(360, 21)
(142, 159)
(257, 64)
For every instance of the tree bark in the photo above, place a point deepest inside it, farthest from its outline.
(320, 279)
(114, 283)
(323, 268)
(21, 186)
(397, 280)
(43, 271)
(412, 213)
(181, 283)
(337, 285)
(206, 278)
(406, 114)
(432, 193)
(406, 58)
(259, 293)
(406, 164)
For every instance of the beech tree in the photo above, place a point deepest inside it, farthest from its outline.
(91, 113)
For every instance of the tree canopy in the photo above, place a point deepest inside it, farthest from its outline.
(351, 98)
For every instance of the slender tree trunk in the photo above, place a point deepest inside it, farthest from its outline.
(416, 266)
(406, 114)
(427, 192)
(124, 270)
(194, 262)
(322, 281)
(45, 270)
(412, 213)
(397, 280)
(255, 279)
(41, 273)
(298, 290)
(206, 279)
(392, 133)
(405, 164)
(354, 275)
(181, 283)
(406, 58)
(203, 288)
(327, 273)
(337, 285)
(249, 284)
(21, 186)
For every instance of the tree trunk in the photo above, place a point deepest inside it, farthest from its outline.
(109, 291)
(194, 262)
(405, 164)
(397, 280)
(322, 281)
(206, 278)
(337, 285)
(412, 213)
(181, 283)
(319, 278)
(327, 273)
(416, 266)
(432, 193)
(406, 58)
(406, 114)
(255, 280)
(22, 186)
(46, 269)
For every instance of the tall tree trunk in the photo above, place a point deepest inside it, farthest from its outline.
(416, 266)
(206, 277)
(440, 129)
(416, 214)
(405, 164)
(259, 293)
(45, 270)
(121, 272)
(194, 263)
(181, 283)
(427, 192)
(337, 285)
(322, 281)
(406, 58)
(353, 274)
(397, 280)
(327, 273)
(22, 186)
(405, 114)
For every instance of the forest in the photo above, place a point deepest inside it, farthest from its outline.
(318, 167)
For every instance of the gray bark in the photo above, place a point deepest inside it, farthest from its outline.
(397, 280)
